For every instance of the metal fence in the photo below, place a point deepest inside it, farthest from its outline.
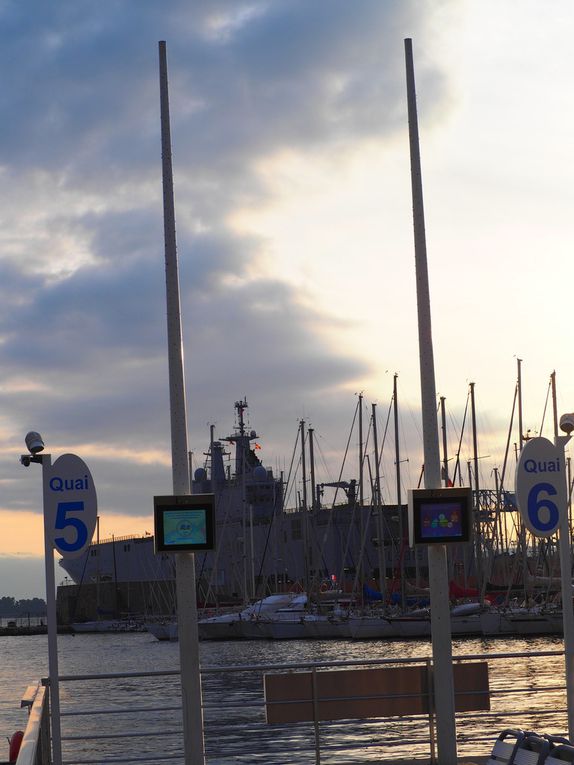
(136, 717)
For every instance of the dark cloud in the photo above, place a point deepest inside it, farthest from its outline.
(80, 115)
(83, 97)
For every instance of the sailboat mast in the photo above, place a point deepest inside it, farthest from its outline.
(519, 388)
(379, 510)
(361, 494)
(444, 444)
(311, 432)
(399, 495)
(361, 572)
(98, 551)
(554, 403)
(303, 464)
(523, 540)
(478, 535)
(305, 526)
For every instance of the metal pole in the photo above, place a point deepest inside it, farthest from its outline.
(566, 582)
(361, 471)
(565, 568)
(399, 496)
(444, 441)
(519, 388)
(311, 432)
(478, 532)
(185, 562)
(379, 511)
(307, 563)
(554, 405)
(51, 618)
(569, 485)
(438, 574)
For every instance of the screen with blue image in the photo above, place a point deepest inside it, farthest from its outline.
(440, 520)
(186, 526)
(184, 523)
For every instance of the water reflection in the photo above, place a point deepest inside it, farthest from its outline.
(234, 711)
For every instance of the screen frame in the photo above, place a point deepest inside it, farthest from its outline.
(165, 504)
(419, 498)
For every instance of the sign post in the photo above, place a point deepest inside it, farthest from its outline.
(70, 511)
(542, 498)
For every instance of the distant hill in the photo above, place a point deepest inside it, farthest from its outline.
(27, 606)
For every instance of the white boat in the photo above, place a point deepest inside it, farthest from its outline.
(465, 619)
(286, 623)
(295, 622)
(245, 624)
(371, 626)
(108, 625)
(535, 621)
(229, 626)
(163, 630)
(414, 624)
(327, 626)
(520, 620)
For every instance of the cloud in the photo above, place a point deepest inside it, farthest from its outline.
(82, 313)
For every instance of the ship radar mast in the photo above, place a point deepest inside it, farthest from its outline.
(241, 406)
(245, 459)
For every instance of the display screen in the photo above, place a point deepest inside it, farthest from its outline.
(440, 516)
(440, 520)
(184, 524)
(182, 527)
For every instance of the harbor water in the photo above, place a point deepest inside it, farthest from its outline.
(25, 661)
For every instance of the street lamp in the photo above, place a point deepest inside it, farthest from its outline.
(35, 445)
(70, 510)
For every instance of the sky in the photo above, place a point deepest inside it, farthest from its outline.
(294, 232)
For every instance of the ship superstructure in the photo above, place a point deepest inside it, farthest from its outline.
(248, 498)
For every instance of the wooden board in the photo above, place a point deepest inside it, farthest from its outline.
(363, 693)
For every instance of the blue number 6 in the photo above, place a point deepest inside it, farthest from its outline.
(535, 505)
(62, 522)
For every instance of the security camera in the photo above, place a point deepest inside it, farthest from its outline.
(34, 442)
(25, 459)
(567, 422)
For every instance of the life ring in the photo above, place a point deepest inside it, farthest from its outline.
(15, 744)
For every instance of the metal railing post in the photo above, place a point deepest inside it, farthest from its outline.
(316, 716)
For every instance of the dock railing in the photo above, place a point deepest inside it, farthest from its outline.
(35, 747)
(136, 716)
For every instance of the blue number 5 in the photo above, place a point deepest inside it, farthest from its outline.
(62, 522)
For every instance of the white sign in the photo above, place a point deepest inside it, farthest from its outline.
(70, 504)
(541, 486)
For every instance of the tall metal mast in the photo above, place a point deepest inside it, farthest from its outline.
(185, 562)
(438, 575)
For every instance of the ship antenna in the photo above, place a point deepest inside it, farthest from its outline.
(241, 406)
